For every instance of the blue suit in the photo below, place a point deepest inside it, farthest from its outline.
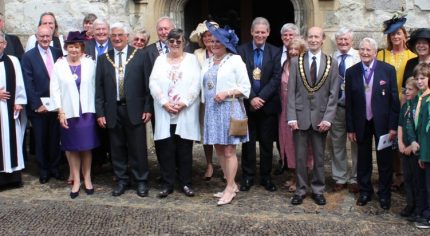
(45, 125)
(385, 107)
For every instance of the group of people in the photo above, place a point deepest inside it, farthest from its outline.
(100, 87)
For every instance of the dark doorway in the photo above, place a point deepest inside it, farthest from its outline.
(238, 14)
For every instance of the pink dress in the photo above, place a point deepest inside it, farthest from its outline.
(286, 142)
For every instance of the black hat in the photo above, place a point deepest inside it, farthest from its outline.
(394, 23)
(422, 33)
(74, 37)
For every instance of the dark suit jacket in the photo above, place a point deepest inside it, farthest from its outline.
(409, 69)
(90, 47)
(385, 100)
(270, 77)
(36, 77)
(14, 46)
(150, 53)
(310, 112)
(138, 97)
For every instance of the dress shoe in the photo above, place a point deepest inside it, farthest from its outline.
(142, 190)
(220, 194)
(246, 185)
(297, 199)
(43, 179)
(319, 199)
(385, 203)
(89, 191)
(222, 201)
(363, 200)
(422, 223)
(268, 185)
(339, 187)
(119, 190)
(209, 173)
(164, 192)
(188, 191)
(353, 188)
(407, 211)
(74, 195)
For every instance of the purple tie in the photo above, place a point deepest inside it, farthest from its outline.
(368, 92)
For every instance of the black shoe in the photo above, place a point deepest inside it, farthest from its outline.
(164, 192)
(363, 200)
(246, 184)
(89, 191)
(385, 203)
(74, 195)
(297, 199)
(119, 190)
(422, 223)
(142, 190)
(407, 211)
(43, 179)
(188, 191)
(268, 185)
(319, 199)
(59, 176)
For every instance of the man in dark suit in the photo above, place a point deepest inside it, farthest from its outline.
(37, 65)
(14, 46)
(123, 105)
(263, 106)
(100, 44)
(312, 101)
(372, 110)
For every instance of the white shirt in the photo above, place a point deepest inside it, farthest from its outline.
(123, 60)
(284, 55)
(351, 59)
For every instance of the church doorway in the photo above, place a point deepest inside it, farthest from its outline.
(238, 14)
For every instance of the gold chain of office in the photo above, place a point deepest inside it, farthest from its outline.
(121, 68)
(320, 83)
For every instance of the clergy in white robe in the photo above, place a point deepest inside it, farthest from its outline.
(12, 116)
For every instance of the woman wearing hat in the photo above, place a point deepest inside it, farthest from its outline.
(203, 37)
(72, 90)
(396, 54)
(224, 79)
(419, 43)
(175, 87)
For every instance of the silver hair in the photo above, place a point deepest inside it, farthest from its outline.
(260, 20)
(143, 32)
(120, 25)
(99, 21)
(290, 27)
(342, 31)
(166, 18)
(371, 41)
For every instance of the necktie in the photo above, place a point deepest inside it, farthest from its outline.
(256, 86)
(166, 49)
(257, 58)
(49, 63)
(121, 77)
(100, 50)
(368, 92)
(342, 65)
(313, 70)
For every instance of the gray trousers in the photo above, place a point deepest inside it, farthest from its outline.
(317, 140)
(338, 138)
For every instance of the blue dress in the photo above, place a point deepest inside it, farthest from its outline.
(217, 115)
(82, 132)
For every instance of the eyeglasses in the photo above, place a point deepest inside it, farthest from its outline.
(139, 40)
(172, 41)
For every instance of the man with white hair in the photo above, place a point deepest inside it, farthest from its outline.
(372, 110)
(346, 56)
(288, 32)
(100, 44)
(123, 105)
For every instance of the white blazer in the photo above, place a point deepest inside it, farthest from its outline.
(232, 74)
(64, 92)
(187, 126)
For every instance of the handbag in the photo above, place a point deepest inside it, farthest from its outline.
(238, 127)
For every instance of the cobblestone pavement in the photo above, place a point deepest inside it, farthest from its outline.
(47, 209)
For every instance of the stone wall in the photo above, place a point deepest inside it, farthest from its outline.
(364, 16)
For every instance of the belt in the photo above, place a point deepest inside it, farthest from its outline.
(121, 103)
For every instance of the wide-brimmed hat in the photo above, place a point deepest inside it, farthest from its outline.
(196, 35)
(422, 33)
(74, 37)
(225, 35)
(395, 23)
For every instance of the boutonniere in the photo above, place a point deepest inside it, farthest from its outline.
(382, 82)
(383, 92)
